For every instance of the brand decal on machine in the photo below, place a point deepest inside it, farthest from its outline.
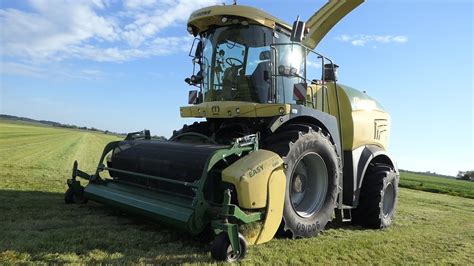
(207, 12)
(255, 170)
(215, 109)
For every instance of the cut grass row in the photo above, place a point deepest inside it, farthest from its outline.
(36, 226)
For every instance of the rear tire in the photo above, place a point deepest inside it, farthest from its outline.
(378, 198)
(312, 173)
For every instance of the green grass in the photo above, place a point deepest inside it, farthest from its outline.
(36, 226)
(437, 184)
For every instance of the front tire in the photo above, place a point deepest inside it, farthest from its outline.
(312, 173)
(378, 198)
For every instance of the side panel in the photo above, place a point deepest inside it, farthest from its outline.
(371, 127)
(363, 120)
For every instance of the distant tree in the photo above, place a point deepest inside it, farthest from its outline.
(466, 175)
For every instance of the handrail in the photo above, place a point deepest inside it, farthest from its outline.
(172, 181)
(324, 94)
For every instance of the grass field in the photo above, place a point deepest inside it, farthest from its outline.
(36, 225)
(437, 184)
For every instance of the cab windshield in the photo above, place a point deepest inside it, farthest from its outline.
(236, 64)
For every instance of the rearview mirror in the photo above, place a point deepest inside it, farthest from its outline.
(197, 47)
(198, 52)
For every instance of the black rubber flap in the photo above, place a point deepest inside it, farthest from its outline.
(173, 160)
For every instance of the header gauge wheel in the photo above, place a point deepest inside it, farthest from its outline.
(221, 248)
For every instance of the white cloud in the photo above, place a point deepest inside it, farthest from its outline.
(63, 29)
(166, 13)
(50, 71)
(344, 38)
(137, 4)
(400, 39)
(52, 28)
(158, 46)
(13, 68)
(363, 39)
(310, 63)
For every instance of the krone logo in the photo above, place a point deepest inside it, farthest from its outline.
(215, 109)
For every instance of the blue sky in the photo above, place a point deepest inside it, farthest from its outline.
(120, 65)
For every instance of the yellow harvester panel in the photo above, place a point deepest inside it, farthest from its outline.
(250, 175)
(363, 119)
(203, 18)
(229, 109)
(260, 183)
(276, 200)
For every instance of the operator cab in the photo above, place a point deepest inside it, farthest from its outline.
(235, 60)
(236, 64)
(244, 54)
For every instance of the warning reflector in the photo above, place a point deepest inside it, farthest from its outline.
(193, 97)
(299, 91)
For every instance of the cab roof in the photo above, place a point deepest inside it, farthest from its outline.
(318, 25)
(202, 19)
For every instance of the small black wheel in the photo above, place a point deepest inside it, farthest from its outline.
(221, 248)
(378, 198)
(70, 197)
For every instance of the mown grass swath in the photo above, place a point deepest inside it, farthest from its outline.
(36, 225)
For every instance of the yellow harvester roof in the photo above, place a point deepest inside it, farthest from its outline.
(202, 18)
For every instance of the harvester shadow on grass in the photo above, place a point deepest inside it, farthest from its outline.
(41, 227)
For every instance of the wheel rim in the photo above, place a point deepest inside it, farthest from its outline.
(231, 255)
(388, 199)
(308, 184)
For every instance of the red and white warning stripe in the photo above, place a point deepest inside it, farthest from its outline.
(192, 99)
(299, 91)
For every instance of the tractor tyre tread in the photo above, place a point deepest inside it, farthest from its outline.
(369, 211)
(290, 143)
